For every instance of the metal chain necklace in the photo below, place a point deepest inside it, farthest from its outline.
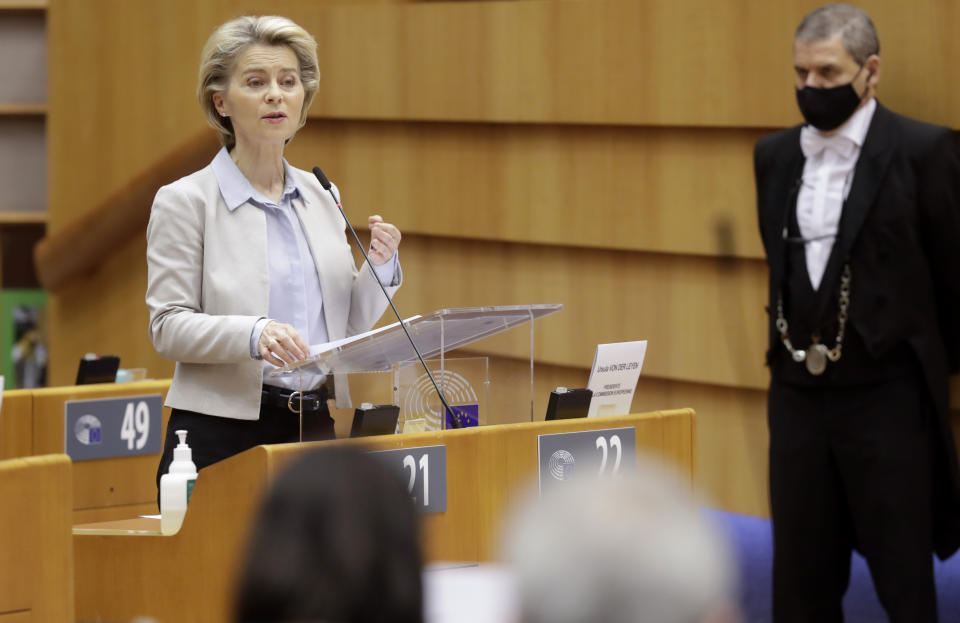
(817, 355)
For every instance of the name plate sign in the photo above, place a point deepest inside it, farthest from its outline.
(613, 378)
(424, 470)
(585, 454)
(106, 428)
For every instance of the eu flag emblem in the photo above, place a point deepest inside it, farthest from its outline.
(467, 415)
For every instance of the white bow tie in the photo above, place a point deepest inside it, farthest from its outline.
(812, 143)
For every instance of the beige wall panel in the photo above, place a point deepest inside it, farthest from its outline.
(105, 313)
(127, 69)
(704, 317)
(121, 85)
(674, 190)
(659, 62)
(122, 79)
(731, 440)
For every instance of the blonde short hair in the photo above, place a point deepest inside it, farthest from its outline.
(229, 40)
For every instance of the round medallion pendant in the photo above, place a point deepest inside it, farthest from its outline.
(817, 359)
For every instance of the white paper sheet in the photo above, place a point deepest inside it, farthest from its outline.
(316, 349)
(470, 593)
(613, 378)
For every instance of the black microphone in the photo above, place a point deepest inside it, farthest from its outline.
(327, 186)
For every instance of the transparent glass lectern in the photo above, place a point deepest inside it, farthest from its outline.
(435, 334)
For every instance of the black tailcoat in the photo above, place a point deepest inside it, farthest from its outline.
(900, 233)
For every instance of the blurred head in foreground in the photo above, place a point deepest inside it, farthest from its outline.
(336, 540)
(626, 550)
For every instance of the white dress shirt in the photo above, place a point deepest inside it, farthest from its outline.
(827, 178)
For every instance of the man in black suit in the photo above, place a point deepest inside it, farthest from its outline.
(859, 211)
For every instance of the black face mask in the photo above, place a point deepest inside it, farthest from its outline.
(828, 108)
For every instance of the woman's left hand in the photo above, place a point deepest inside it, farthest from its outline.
(384, 240)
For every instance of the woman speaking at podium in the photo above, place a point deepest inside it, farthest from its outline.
(247, 260)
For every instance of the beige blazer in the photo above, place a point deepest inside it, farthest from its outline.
(208, 282)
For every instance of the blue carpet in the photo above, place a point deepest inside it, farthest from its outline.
(752, 541)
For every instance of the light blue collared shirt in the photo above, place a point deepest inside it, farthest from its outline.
(295, 295)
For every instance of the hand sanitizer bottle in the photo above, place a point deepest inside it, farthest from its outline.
(176, 486)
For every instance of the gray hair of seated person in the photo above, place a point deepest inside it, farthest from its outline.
(628, 550)
(858, 33)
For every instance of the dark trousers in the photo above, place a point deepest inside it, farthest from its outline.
(851, 468)
(213, 438)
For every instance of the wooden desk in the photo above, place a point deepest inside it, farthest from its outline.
(125, 570)
(31, 423)
(16, 424)
(147, 526)
(36, 550)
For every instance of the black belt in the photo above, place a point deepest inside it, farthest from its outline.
(309, 402)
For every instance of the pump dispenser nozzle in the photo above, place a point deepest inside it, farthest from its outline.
(182, 456)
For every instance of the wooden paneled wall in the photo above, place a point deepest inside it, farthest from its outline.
(595, 153)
